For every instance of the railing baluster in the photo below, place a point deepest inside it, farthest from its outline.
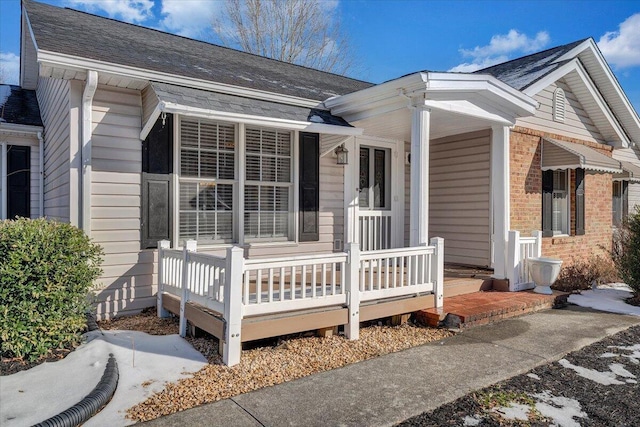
(313, 281)
(292, 287)
(281, 284)
(303, 281)
(258, 286)
(402, 279)
(395, 271)
(324, 279)
(271, 285)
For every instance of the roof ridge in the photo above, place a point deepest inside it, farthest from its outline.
(198, 41)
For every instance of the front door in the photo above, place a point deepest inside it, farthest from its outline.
(375, 198)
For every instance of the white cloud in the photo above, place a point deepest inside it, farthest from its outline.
(622, 47)
(135, 11)
(500, 48)
(470, 67)
(190, 18)
(9, 68)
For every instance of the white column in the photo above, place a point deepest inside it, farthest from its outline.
(351, 234)
(500, 197)
(419, 218)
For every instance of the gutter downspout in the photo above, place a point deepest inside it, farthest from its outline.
(41, 158)
(87, 118)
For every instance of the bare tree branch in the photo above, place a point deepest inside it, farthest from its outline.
(303, 32)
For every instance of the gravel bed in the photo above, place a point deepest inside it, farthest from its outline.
(556, 394)
(147, 321)
(283, 360)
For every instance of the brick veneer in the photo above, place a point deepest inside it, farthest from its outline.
(526, 198)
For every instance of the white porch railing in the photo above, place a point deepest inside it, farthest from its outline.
(374, 230)
(238, 287)
(519, 250)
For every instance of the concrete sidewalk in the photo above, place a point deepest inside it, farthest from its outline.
(394, 387)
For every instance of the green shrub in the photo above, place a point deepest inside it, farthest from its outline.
(580, 274)
(626, 252)
(46, 271)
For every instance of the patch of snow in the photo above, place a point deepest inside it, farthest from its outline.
(534, 376)
(5, 91)
(634, 357)
(604, 378)
(515, 411)
(142, 358)
(620, 370)
(609, 298)
(316, 119)
(562, 410)
(472, 421)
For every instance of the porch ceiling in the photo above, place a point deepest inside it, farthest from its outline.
(397, 124)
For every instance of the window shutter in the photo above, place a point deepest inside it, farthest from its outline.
(547, 203)
(580, 202)
(309, 187)
(18, 185)
(157, 187)
(625, 199)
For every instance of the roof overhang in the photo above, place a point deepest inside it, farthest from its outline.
(198, 103)
(604, 83)
(591, 99)
(19, 130)
(478, 95)
(557, 155)
(630, 172)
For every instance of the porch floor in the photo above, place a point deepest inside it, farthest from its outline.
(480, 308)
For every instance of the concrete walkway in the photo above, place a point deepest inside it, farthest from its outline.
(392, 388)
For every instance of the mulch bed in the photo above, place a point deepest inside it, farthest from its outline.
(604, 405)
(9, 366)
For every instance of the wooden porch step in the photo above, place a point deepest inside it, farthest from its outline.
(480, 308)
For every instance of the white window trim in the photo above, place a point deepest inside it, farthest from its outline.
(240, 182)
(567, 216)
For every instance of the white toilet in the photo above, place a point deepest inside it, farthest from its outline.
(544, 271)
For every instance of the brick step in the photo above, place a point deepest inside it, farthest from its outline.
(480, 308)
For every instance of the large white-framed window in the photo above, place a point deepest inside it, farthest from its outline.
(235, 182)
(560, 207)
(269, 184)
(207, 181)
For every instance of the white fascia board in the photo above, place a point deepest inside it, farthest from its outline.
(150, 122)
(185, 110)
(590, 48)
(480, 82)
(82, 64)
(550, 78)
(466, 108)
(376, 95)
(18, 129)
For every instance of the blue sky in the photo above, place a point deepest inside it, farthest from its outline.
(394, 38)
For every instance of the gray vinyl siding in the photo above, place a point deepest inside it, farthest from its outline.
(29, 65)
(631, 155)
(54, 101)
(128, 281)
(577, 123)
(459, 196)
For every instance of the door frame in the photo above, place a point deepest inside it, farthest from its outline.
(397, 185)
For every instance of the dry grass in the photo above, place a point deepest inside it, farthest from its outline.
(284, 360)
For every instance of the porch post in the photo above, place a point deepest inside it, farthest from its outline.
(500, 197)
(351, 221)
(419, 215)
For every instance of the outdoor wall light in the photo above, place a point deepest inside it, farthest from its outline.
(342, 155)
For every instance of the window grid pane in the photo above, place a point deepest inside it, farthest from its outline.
(560, 203)
(268, 189)
(206, 184)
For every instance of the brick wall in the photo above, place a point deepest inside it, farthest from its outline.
(526, 198)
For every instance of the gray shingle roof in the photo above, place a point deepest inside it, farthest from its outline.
(84, 35)
(19, 106)
(236, 104)
(522, 72)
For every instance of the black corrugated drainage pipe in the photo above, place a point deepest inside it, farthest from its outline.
(92, 402)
